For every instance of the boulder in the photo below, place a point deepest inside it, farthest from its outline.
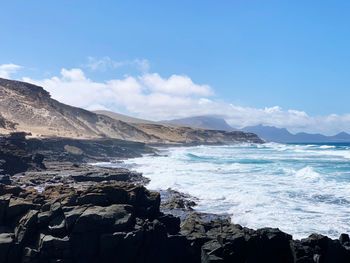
(104, 219)
(51, 247)
(17, 207)
(26, 227)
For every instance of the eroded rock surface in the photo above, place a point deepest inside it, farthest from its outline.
(15, 158)
(123, 223)
(78, 175)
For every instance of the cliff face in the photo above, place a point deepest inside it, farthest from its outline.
(29, 108)
(35, 111)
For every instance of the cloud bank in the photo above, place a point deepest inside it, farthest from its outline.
(154, 97)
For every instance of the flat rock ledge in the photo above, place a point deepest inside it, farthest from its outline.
(122, 223)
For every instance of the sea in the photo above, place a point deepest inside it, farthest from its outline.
(298, 188)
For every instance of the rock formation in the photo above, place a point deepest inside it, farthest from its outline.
(14, 157)
(122, 223)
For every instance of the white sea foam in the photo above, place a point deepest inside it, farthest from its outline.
(327, 147)
(299, 188)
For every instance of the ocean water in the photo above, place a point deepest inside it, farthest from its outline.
(299, 188)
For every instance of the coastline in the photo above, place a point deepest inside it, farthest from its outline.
(198, 237)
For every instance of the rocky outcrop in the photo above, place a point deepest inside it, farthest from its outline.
(5, 124)
(64, 149)
(105, 223)
(78, 175)
(77, 150)
(14, 157)
(122, 223)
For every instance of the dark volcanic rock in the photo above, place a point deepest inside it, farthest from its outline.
(75, 150)
(18, 154)
(14, 156)
(122, 223)
(82, 176)
(63, 225)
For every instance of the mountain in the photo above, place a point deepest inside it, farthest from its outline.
(122, 117)
(282, 135)
(33, 110)
(270, 133)
(206, 122)
(29, 108)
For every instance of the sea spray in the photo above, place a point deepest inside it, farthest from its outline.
(299, 188)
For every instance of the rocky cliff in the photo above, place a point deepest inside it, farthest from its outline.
(34, 111)
(29, 108)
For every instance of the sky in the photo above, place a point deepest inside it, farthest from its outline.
(278, 63)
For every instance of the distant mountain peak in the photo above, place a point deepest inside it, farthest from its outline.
(282, 135)
(212, 122)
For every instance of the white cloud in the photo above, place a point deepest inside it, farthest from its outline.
(106, 63)
(178, 85)
(154, 97)
(7, 69)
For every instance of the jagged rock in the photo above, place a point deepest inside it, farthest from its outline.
(17, 207)
(146, 203)
(344, 238)
(14, 157)
(110, 218)
(66, 173)
(64, 224)
(5, 179)
(323, 249)
(51, 248)
(26, 226)
(57, 226)
(6, 240)
(93, 198)
(71, 215)
(171, 222)
(4, 203)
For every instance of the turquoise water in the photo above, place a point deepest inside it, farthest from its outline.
(299, 188)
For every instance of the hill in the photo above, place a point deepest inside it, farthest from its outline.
(122, 117)
(29, 108)
(205, 122)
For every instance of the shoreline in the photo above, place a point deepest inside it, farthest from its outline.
(303, 230)
(197, 237)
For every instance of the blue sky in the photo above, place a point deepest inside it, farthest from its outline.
(255, 55)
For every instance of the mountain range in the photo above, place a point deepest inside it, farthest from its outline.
(284, 136)
(269, 133)
(29, 108)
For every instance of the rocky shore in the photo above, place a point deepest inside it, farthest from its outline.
(123, 223)
(55, 211)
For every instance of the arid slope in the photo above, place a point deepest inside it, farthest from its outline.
(29, 108)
